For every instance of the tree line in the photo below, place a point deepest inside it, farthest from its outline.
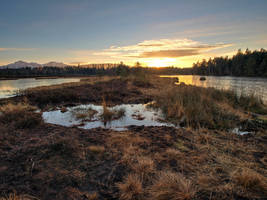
(246, 63)
(117, 70)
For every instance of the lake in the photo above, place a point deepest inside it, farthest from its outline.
(8, 88)
(245, 85)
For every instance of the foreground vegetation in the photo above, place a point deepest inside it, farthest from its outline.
(203, 160)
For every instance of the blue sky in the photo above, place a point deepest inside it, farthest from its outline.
(87, 31)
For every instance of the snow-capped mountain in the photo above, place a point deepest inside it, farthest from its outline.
(22, 64)
(55, 64)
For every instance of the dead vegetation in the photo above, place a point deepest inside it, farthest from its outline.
(206, 107)
(172, 186)
(47, 161)
(131, 188)
(111, 114)
(22, 115)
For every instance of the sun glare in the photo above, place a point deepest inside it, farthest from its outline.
(160, 62)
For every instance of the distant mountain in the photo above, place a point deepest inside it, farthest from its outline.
(54, 64)
(22, 64)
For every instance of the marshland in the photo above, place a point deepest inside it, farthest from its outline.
(133, 100)
(190, 151)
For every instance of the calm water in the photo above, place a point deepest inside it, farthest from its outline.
(149, 116)
(246, 85)
(8, 88)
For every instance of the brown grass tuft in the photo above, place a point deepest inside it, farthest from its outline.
(172, 186)
(21, 115)
(144, 167)
(249, 180)
(109, 115)
(96, 149)
(14, 196)
(131, 188)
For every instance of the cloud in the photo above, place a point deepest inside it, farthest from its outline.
(175, 50)
(170, 53)
(183, 52)
(172, 48)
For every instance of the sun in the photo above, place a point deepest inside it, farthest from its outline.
(160, 62)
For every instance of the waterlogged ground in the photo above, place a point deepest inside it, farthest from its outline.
(135, 114)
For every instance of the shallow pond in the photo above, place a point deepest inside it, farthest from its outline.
(135, 114)
(8, 88)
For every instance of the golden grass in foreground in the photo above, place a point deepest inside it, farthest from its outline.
(14, 196)
(22, 115)
(172, 186)
(250, 180)
(131, 188)
(96, 149)
(144, 166)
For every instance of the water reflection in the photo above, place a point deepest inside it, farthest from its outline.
(245, 85)
(8, 88)
(149, 117)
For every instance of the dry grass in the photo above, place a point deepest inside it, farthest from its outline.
(96, 149)
(84, 113)
(93, 196)
(109, 115)
(205, 107)
(147, 162)
(131, 188)
(250, 180)
(144, 167)
(172, 186)
(21, 115)
(14, 196)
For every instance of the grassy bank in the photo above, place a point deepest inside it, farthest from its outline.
(207, 107)
(203, 160)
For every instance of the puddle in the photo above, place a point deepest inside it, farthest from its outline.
(239, 132)
(135, 114)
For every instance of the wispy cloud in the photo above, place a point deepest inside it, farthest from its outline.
(172, 48)
(173, 51)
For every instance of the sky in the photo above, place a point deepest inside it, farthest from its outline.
(152, 32)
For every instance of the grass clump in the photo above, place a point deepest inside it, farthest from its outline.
(131, 188)
(20, 115)
(84, 113)
(111, 114)
(14, 196)
(206, 107)
(144, 167)
(250, 180)
(96, 149)
(172, 186)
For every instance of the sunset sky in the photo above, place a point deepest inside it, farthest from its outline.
(153, 32)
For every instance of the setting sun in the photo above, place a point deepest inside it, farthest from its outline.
(160, 62)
